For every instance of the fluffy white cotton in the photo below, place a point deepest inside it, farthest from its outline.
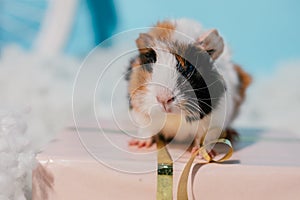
(40, 86)
(273, 101)
(43, 87)
(17, 157)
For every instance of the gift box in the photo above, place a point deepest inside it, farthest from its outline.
(96, 163)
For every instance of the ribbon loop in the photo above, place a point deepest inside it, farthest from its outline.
(214, 151)
(223, 150)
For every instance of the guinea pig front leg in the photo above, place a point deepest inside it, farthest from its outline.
(148, 127)
(196, 146)
(142, 120)
(142, 142)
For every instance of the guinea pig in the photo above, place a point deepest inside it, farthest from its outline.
(182, 83)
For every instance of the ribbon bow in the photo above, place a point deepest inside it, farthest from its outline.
(165, 166)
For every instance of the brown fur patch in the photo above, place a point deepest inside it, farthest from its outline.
(162, 30)
(138, 78)
(136, 85)
(245, 80)
(144, 42)
(181, 61)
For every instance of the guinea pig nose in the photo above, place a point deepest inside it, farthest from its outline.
(171, 100)
(167, 100)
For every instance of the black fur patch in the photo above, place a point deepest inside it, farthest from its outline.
(200, 83)
(147, 59)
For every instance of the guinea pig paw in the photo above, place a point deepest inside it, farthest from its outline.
(141, 143)
(194, 149)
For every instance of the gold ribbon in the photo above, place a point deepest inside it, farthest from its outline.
(164, 171)
(165, 167)
(182, 192)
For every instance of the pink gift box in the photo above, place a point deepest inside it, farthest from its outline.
(93, 164)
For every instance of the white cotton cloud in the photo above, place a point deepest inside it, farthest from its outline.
(42, 87)
(273, 100)
(35, 103)
(17, 157)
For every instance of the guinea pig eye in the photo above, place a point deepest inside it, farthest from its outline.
(184, 67)
(185, 70)
(189, 68)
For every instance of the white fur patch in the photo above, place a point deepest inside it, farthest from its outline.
(186, 30)
(164, 75)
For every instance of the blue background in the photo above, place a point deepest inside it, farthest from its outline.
(261, 33)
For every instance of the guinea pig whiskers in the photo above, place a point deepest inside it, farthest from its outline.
(194, 105)
(205, 103)
(202, 88)
(192, 109)
(213, 98)
(188, 110)
(196, 89)
(192, 113)
(177, 93)
(182, 84)
(189, 113)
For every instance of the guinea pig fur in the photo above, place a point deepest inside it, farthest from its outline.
(183, 82)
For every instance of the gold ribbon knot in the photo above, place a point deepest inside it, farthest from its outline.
(165, 166)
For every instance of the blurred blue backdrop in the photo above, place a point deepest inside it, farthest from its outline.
(260, 33)
(20, 21)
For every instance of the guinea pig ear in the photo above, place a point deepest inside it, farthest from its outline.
(144, 42)
(212, 42)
